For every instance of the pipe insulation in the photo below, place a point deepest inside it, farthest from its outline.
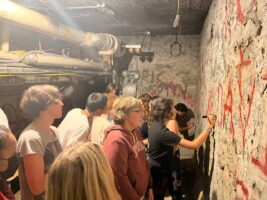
(37, 22)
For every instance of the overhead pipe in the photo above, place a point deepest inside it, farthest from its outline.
(32, 20)
(9, 55)
(4, 36)
(40, 58)
(22, 69)
(53, 60)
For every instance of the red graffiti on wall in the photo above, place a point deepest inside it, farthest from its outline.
(243, 187)
(239, 182)
(264, 76)
(243, 63)
(228, 106)
(249, 110)
(210, 104)
(163, 86)
(261, 165)
(240, 15)
(240, 67)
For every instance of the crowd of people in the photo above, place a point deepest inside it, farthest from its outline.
(117, 147)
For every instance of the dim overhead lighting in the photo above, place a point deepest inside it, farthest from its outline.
(133, 46)
(147, 33)
(176, 21)
(8, 7)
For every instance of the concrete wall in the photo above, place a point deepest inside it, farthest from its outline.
(167, 75)
(233, 85)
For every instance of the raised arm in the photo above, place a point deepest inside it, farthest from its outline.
(195, 144)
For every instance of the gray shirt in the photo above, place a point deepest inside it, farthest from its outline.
(3, 119)
(33, 141)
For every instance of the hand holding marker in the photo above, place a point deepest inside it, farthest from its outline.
(211, 119)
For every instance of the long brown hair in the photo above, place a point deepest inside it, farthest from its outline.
(145, 99)
(162, 110)
(81, 173)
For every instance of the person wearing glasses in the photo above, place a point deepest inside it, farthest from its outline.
(125, 150)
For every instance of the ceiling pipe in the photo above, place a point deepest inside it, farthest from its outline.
(32, 20)
(4, 36)
(22, 69)
(9, 55)
(53, 60)
(40, 58)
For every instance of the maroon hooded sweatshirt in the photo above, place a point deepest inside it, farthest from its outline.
(126, 154)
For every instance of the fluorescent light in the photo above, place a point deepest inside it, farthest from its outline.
(7, 6)
(133, 46)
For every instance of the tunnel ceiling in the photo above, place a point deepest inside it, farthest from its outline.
(125, 17)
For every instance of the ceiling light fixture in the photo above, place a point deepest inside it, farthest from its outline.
(7, 7)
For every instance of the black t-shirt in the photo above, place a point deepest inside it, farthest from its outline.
(161, 141)
(144, 129)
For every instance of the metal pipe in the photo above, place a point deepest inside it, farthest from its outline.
(44, 59)
(39, 58)
(9, 56)
(4, 37)
(32, 20)
(20, 69)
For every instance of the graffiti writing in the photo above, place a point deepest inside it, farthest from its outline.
(244, 107)
(264, 75)
(240, 183)
(228, 106)
(210, 105)
(243, 187)
(160, 84)
(261, 165)
(244, 122)
(240, 14)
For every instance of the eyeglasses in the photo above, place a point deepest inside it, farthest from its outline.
(136, 110)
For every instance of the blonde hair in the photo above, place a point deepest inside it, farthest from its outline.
(79, 173)
(123, 106)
